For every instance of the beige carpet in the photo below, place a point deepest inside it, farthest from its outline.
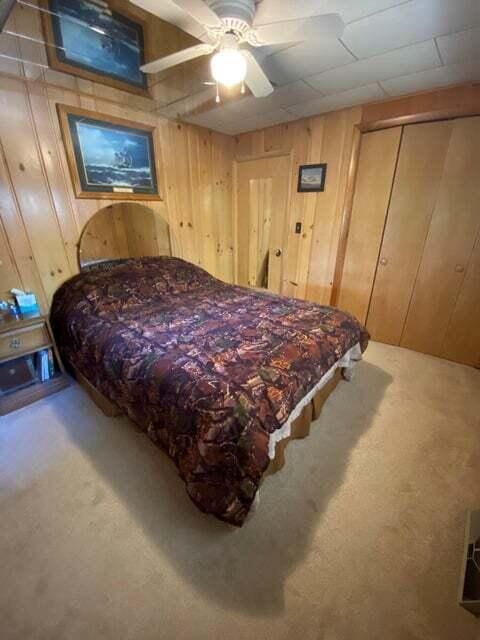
(359, 538)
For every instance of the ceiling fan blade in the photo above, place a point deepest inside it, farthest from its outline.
(176, 13)
(177, 58)
(269, 11)
(200, 11)
(256, 79)
(329, 25)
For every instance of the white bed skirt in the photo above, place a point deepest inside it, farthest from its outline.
(348, 361)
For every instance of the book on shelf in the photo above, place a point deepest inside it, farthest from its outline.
(45, 365)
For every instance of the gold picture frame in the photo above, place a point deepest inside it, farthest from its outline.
(58, 56)
(106, 154)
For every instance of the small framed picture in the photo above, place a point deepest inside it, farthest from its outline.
(109, 157)
(311, 177)
(89, 39)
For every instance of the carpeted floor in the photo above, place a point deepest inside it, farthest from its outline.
(359, 537)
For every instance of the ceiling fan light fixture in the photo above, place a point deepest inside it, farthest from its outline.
(229, 67)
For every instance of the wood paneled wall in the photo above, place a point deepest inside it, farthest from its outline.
(436, 103)
(310, 257)
(124, 230)
(40, 218)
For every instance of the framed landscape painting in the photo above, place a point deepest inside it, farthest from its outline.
(311, 177)
(91, 40)
(109, 157)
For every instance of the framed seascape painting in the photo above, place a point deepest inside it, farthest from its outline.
(109, 157)
(311, 177)
(91, 40)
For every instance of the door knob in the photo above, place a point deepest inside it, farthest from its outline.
(384, 262)
(278, 253)
(459, 268)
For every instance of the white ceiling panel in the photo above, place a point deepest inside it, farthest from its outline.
(188, 104)
(368, 93)
(408, 23)
(399, 62)
(432, 78)
(218, 118)
(292, 93)
(351, 11)
(265, 120)
(389, 48)
(276, 10)
(306, 59)
(461, 46)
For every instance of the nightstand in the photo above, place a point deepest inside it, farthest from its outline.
(22, 379)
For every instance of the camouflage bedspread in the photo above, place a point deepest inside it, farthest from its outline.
(209, 370)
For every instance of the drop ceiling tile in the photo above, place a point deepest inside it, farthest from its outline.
(408, 23)
(368, 93)
(305, 59)
(188, 103)
(441, 76)
(387, 65)
(213, 119)
(349, 9)
(265, 120)
(457, 47)
(282, 97)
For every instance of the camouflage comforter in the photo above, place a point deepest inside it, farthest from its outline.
(208, 370)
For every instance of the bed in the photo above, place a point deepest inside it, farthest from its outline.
(217, 375)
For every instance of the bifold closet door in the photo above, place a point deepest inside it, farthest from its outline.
(445, 296)
(376, 169)
(261, 192)
(462, 342)
(418, 176)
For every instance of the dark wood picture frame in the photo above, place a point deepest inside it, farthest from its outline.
(58, 61)
(77, 172)
(316, 188)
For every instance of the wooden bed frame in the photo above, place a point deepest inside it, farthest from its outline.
(300, 426)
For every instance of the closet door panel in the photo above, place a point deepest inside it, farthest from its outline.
(378, 157)
(462, 342)
(453, 230)
(417, 179)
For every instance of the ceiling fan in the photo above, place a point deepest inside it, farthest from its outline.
(233, 29)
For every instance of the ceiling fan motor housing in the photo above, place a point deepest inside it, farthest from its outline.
(236, 15)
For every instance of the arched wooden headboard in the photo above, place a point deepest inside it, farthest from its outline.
(123, 230)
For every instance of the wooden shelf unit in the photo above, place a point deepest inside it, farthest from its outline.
(22, 338)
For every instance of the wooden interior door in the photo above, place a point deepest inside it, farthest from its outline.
(419, 173)
(261, 194)
(449, 249)
(376, 170)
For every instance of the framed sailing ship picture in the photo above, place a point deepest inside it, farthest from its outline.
(90, 39)
(109, 157)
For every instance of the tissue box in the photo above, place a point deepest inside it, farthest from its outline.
(27, 305)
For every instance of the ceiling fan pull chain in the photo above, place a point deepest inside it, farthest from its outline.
(217, 98)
